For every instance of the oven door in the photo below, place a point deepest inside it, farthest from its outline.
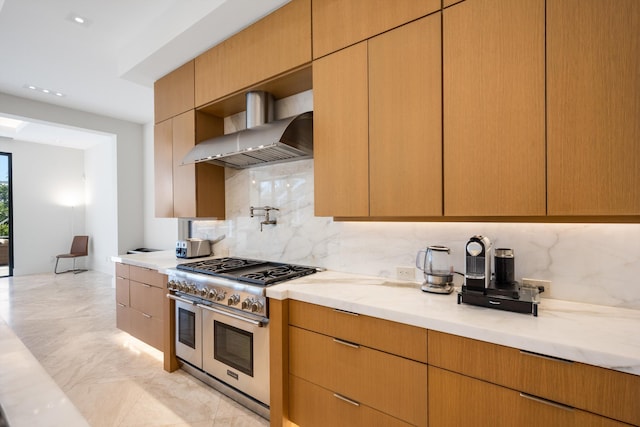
(189, 333)
(236, 351)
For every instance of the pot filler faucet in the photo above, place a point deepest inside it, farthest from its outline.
(266, 209)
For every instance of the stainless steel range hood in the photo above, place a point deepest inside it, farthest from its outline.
(263, 142)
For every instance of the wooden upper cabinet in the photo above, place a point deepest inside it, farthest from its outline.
(174, 93)
(187, 191)
(163, 168)
(340, 133)
(593, 107)
(494, 108)
(184, 183)
(279, 42)
(405, 120)
(341, 23)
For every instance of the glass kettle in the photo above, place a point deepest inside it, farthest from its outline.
(435, 263)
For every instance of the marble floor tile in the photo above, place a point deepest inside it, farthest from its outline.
(68, 323)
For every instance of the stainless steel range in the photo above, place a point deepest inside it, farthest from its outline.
(222, 323)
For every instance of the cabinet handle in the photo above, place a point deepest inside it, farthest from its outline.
(543, 356)
(350, 313)
(121, 305)
(546, 402)
(347, 343)
(148, 316)
(346, 399)
(145, 285)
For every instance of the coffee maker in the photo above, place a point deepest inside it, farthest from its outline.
(500, 291)
(477, 275)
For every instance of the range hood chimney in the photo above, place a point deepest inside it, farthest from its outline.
(263, 141)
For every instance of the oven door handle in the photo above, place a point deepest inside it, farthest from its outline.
(170, 296)
(259, 323)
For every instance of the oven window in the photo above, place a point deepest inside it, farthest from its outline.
(233, 347)
(187, 327)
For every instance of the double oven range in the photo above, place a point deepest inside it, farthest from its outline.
(222, 323)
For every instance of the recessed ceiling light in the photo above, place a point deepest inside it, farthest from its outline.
(78, 20)
(43, 90)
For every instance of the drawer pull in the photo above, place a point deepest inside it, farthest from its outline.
(121, 305)
(350, 313)
(346, 399)
(543, 356)
(347, 343)
(148, 316)
(546, 402)
(145, 285)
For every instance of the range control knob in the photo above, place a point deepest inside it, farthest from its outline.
(171, 285)
(221, 295)
(233, 299)
(256, 307)
(204, 292)
(246, 304)
(213, 294)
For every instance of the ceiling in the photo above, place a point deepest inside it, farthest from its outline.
(106, 66)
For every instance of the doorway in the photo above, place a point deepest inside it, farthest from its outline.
(6, 213)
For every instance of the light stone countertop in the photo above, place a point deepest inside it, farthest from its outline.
(594, 334)
(604, 336)
(28, 395)
(159, 260)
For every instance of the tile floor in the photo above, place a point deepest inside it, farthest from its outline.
(68, 324)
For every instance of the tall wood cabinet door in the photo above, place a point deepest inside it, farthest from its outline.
(405, 120)
(340, 133)
(184, 184)
(279, 42)
(163, 168)
(174, 93)
(340, 23)
(494, 108)
(490, 405)
(593, 110)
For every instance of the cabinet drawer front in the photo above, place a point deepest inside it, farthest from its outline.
(391, 384)
(457, 400)
(123, 321)
(146, 298)
(122, 270)
(603, 391)
(391, 337)
(148, 276)
(146, 329)
(122, 291)
(314, 406)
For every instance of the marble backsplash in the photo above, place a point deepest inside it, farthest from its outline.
(592, 263)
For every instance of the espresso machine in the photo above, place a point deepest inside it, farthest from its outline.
(500, 290)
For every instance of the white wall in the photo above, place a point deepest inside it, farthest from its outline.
(48, 203)
(101, 204)
(126, 230)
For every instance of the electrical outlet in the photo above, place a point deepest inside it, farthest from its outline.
(539, 282)
(406, 273)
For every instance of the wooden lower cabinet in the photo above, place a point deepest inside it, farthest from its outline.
(456, 400)
(597, 390)
(346, 369)
(140, 300)
(313, 406)
(393, 385)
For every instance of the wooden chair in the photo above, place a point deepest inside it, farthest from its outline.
(79, 248)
